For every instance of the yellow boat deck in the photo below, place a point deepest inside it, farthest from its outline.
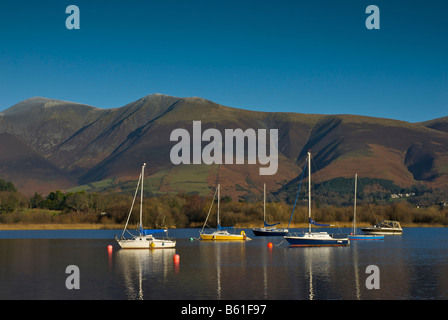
(224, 235)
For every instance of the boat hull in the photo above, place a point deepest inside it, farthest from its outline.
(224, 236)
(366, 237)
(316, 240)
(270, 232)
(382, 231)
(146, 242)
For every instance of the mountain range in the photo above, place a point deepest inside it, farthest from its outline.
(48, 145)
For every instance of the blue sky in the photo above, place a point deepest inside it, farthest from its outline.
(284, 55)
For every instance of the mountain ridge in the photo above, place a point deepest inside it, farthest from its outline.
(86, 144)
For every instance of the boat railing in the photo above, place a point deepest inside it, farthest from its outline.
(295, 234)
(389, 224)
(339, 235)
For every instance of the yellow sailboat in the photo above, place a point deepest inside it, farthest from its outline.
(220, 233)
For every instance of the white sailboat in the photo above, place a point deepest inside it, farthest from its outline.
(355, 236)
(314, 239)
(144, 239)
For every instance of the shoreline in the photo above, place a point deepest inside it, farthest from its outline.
(93, 226)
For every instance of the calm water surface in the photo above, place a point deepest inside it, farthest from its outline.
(33, 263)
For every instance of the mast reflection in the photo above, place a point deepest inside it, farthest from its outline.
(141, 267)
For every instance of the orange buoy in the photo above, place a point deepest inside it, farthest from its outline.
(109, 247)
(176, 259)
(270, 245)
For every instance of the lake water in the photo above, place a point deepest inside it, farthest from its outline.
(33, 266)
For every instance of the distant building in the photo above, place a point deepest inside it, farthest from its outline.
(402, 195)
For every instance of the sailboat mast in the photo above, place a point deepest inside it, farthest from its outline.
(141, 197)
(219, 198)
(264, 202)
(309, 191)
(354, 210)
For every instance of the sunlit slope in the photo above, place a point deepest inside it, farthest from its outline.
(89, 145)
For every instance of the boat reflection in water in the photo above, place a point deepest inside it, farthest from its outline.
(226, 269)
(317, 267)
(139, 266)
(320, 263)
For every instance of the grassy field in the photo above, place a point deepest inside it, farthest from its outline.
(187, 179)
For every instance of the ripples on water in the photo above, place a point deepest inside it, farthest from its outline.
(32, 264)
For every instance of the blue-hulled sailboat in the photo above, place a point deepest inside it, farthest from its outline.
(315, 239)
(268, 230)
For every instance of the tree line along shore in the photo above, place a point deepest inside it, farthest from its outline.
(86, 210)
